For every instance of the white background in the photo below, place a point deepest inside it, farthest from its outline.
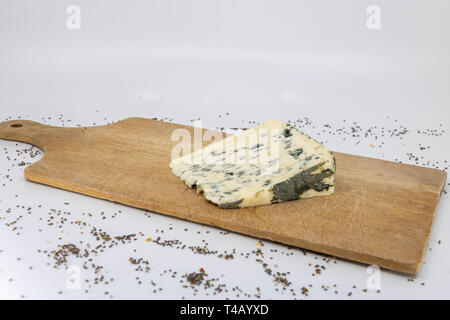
(183, 60)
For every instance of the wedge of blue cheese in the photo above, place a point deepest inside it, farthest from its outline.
(272, 162)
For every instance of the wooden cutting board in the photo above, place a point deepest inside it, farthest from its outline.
(381, 213)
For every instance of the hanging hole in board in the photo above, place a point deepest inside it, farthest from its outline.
(16, 125)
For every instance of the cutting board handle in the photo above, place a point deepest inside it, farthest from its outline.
(35, 133)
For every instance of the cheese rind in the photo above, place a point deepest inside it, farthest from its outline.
(272, 162)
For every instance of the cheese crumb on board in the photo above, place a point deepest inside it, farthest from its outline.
(272, 162)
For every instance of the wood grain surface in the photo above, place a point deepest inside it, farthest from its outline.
(381, 213)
